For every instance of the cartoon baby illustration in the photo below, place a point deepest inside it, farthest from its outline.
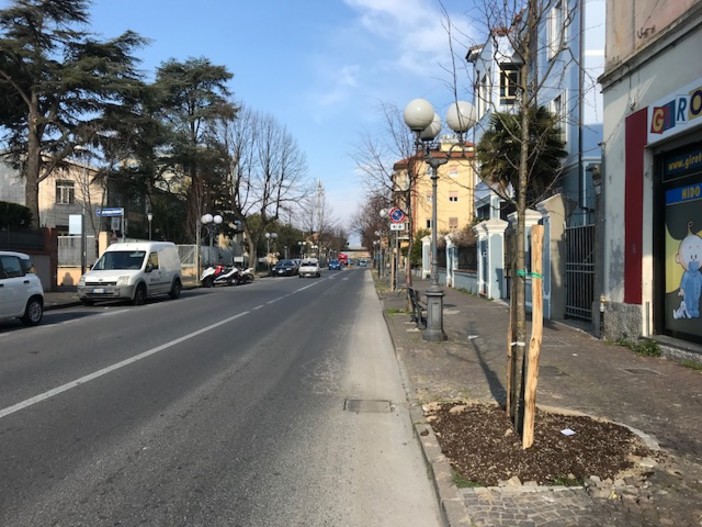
(689, 257)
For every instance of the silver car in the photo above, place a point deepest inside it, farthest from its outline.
(21, 292)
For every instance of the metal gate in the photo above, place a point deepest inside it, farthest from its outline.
(580, 271)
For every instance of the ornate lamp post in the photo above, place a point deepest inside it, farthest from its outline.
(421, 119)
(211, 223)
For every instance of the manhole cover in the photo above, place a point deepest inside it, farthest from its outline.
(641, 371)
(551, 371)
(365, 406)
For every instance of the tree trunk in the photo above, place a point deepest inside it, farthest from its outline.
(33, 164)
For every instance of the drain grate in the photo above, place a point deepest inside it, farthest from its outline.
(367, 406)
(641, 371)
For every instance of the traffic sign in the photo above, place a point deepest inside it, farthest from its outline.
(397, 215)
(397, 226)
(112, 211)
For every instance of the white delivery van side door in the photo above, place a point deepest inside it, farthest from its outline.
(154, 275)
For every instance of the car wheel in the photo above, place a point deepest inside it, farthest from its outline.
(139, 295)
(33, 312)
(176, 288)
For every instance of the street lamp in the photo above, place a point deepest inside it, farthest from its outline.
(268, 236)
(149, 216)
(420, 118)
(211, 223)
(300, 246)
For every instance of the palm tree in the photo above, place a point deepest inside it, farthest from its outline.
(499, 153)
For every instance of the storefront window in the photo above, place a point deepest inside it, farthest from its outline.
(681, 183)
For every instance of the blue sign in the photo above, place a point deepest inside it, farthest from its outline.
(397, 215)
(114, 211)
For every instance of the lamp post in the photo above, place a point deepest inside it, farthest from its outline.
(268, 236)
(420, 118)
(149, 216)
(211, 222)
(300, 246)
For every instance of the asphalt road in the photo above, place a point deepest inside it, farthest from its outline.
(274, 403)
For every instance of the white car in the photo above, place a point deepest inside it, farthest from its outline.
(21, 292)
(309, 267)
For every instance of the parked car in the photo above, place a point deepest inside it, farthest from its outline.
(334, 265)
(133, 271)
(284, 268)
(21, 291)
(310, 267)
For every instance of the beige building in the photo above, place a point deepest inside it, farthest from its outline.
(60, 195)
(455, 189)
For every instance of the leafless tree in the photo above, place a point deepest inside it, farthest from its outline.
(267, 173)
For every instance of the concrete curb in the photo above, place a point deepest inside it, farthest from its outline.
(451, 504)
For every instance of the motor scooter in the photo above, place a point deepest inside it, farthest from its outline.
(246, 276)
(220, 275)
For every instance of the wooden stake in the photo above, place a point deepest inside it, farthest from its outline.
(537, 331)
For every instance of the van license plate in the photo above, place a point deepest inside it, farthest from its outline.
(98, 290)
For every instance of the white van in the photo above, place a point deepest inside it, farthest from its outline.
(132, 271)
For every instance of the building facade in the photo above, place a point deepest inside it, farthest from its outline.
(652, 184)
(455, 188)
(566, 59)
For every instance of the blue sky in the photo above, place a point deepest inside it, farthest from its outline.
(321, 67)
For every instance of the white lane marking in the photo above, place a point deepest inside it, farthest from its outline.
(257, 307)
(306, 287)
(91, 377)
(87, 378)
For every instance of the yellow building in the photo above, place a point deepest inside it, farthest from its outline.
(455, 186)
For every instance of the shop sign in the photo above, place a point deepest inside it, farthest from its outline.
(676, 112)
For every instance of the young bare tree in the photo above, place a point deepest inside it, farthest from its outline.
(391, 168)
(513, 30)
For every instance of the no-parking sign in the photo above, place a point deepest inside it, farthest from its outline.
(397, 215)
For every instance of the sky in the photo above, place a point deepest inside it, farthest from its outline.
(322, 68)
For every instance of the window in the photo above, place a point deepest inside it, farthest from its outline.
(483, 96)
(509, 83)
(556, 30)
(153, 260)
(428, 224)
(558, 108)
(453, 223)
(453, 195)
(65, 192)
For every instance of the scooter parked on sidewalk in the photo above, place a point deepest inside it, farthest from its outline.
(220, 275)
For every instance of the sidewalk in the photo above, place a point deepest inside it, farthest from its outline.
(659, 397)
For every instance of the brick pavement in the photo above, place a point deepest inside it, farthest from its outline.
(659, 398)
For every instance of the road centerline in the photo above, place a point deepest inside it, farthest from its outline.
(118, 365)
